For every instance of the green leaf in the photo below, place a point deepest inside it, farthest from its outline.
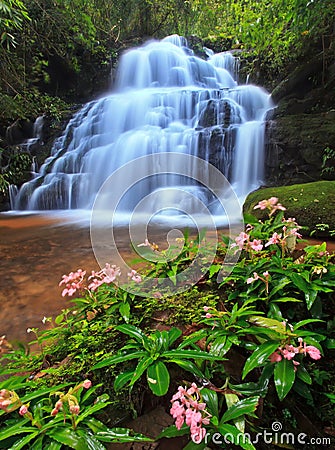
(310, 298)
(220, 346)
(210, 397)
(192, 354)
(90, 440)
(174, 334)
(121, 435)
(306, 322)
(109, 361)
(158, 378)
(242, 407)
(68, 437)
(284, 376)
(18, 445)
(172, 431)
(231, 433)
(122, 379)
(133, 332)
(285, 300)
(141, 368)
(303, 374)
(17, 428)
(265, 322)
(188, 366)
(259, 356)
(124, 309)
(300, 282)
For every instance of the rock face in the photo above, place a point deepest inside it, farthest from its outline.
(303, 125)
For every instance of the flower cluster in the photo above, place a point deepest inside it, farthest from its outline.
(106, 275)
(265, 278)
(70, 400)
(243, 242)
(9, 400)
(187, 407)
(289, 351)
(73, 282)
(271, 204)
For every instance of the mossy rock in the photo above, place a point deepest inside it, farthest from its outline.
(310, 203)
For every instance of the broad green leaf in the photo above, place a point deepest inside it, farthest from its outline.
(158, 378)
(265, 322)
(90, 440)
(220, 346)
(310, 298)
(92, 409)
(306, 322)
(68, 437)
(300, 282)
(121, 435)
(135, 333)
(245, 406)
(141, 368)
(95, 425)
(18, 445)
(303, 374)
(230, 433)
(124, 309)
(210, 397)
(286, 299)
(239, 422)
(118, 358)
(189, 366)
(284, 376)
(193, 446)
(279, 285)
(172, 431)
(174, 334)
(259, 356)
(122, 379)
(192, 354)
(15, 429)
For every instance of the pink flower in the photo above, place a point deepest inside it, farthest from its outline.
(271, 204)
(54, 412)
(289, 352)
(256, 245)
(72, 282)
(23, 410)
(252, 279)
(135, 276)
(74, 409)
(313, 352)
(275, 239)
(87, 384)
(186, 408)
(106, 275)
(206, 308)
(240, 240)
(146, 243)
(275, 357)
(208, 315)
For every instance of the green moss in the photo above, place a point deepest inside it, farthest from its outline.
(310, 203)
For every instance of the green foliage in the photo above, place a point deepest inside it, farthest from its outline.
(274, 311)
(152, 353)
(53, 418)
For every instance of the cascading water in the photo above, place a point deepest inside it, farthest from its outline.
(165, 100)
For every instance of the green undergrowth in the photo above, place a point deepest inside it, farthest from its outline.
(312, 203)
(238, 343)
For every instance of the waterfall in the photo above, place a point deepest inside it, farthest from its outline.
(165, 100)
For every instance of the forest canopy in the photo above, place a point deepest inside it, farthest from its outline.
(48, 47)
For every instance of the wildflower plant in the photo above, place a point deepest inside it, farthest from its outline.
(54, 418)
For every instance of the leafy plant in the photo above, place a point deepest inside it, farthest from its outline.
(152, 353)
(37, 420)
